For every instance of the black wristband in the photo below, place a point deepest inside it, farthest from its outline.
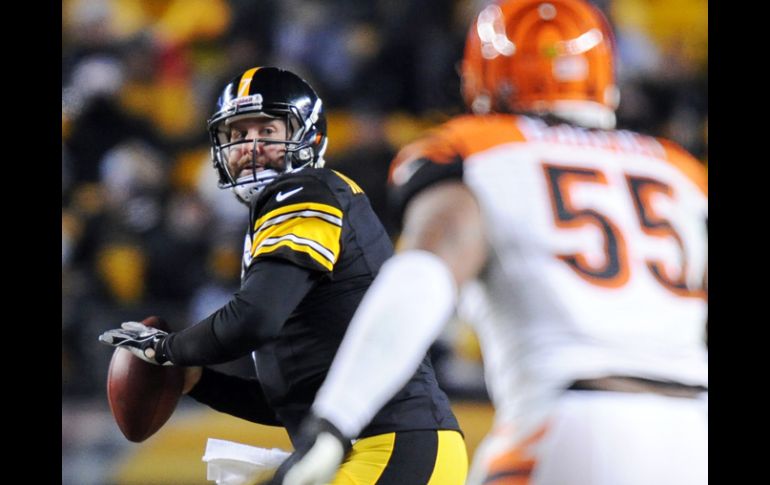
(159, 345)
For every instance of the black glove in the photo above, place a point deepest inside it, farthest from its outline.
(143, 341)
(320, 449)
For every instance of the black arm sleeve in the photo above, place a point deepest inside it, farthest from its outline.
(271, 290)
(236, 396)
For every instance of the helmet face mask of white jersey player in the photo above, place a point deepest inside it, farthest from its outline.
(268, 122)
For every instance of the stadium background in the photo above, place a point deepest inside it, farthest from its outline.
(146, 231)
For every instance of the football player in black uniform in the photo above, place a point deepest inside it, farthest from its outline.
(312, 249)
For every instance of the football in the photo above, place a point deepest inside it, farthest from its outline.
(142, 396)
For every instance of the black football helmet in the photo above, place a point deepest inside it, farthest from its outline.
(277, 93)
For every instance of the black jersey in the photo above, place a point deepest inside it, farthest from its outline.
(320, 220)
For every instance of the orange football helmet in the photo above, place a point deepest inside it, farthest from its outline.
(542, 56)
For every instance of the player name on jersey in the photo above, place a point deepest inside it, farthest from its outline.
(621, 141)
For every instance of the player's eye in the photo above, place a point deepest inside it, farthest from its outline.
(236, 135)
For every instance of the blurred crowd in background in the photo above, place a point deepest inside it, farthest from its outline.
(146, 231)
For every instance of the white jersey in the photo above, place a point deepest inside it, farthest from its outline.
(598, 252)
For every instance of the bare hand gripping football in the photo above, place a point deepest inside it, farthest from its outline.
(142, 392)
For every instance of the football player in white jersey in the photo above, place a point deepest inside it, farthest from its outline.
(590, 245)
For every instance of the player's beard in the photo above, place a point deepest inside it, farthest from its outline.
(247, 163)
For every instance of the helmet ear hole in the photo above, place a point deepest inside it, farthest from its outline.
(306, 154)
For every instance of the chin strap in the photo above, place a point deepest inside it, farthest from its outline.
(246, 188)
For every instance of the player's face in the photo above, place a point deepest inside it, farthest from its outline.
(268, 155)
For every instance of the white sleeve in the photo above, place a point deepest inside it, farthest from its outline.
(400, 316)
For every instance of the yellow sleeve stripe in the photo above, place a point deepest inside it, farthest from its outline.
(243, 86)
(353, 186)
(320, 236)
(296, 247)
(302, 209)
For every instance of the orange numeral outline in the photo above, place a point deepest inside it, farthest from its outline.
(561, 179)
(615, 272)
(642, 189)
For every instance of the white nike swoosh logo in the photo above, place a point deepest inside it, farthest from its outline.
(281, 196)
